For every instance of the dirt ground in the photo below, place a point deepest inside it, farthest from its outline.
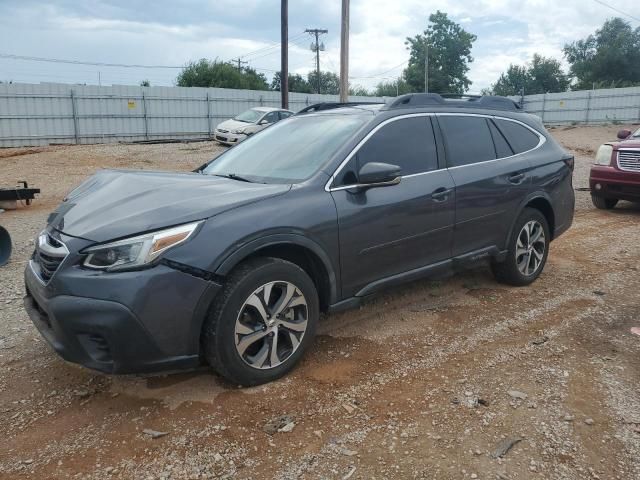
(428, 381)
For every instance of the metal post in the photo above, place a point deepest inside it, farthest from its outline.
(426, 67)
(586, 113)
(544, 104)
(144, 111)
(344, 53)
(75, 116)
(284, 53)
(208, 115)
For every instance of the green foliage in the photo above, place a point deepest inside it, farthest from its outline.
(297, 83)
(542, 75)
(608, 58)
(449, 49)
(359, 91)
(145, 83)
(213, 73)
(329, 82)
(392, 88)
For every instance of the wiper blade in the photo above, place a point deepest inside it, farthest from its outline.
(233, 176)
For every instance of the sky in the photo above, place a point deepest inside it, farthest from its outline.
(171, 33)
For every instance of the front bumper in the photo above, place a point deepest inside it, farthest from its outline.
(125, 322)
(228, 137)
(609, 182)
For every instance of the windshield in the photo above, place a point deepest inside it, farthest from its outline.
(637, 134)
(290, 151)
(250, 116)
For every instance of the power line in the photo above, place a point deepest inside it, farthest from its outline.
(617, 10)
(79, 62)
(381, 74)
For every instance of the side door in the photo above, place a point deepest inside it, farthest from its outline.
(491, 180)
(386, 231)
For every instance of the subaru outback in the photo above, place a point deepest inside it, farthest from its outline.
(231, 265)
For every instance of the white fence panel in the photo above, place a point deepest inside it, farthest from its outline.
(54, 113)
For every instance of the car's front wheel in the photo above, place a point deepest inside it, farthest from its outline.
(262, 322)
(528, 250)
(604, 203)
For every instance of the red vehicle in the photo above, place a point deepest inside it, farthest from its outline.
(616, 173)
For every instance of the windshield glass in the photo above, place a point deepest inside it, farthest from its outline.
(637, 134)
(250, 116)
(290, 151)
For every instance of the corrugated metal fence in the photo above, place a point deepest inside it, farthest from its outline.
(611, 105)
(45, 114)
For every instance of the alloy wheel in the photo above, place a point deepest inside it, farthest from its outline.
(271, 324)
(530, 248)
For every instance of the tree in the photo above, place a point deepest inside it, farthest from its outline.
(392, 88)
(213, 73)
(359, 91)
(329, 82)
(297, 83)
(610, 57)
(449, 49)
(542, 75)
(145, 83)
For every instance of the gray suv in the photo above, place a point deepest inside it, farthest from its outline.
(231, 265)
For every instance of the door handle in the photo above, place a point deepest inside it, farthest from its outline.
(516, 178)
(441, 194)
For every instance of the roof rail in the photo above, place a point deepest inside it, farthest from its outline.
(331, 105)
(491, 102)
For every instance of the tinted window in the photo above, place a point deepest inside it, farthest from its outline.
(284, 115)
(468, 140)
(520, 138)
(408, 143)
(502, 147)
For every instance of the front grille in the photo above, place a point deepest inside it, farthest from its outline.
(49, 255)
(629, 160)
(223, 131)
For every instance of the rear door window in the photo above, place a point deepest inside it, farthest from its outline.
(468, 139)
(408, 143)
(519, 137)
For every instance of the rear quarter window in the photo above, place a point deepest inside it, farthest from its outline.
(519, 137)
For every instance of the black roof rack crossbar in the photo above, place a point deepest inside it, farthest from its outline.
(490, 102)
(331, 105)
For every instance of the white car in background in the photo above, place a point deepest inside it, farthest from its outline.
(247, 123)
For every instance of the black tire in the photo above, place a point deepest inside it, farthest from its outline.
(508, 271)
(219, 331)
(603, 203)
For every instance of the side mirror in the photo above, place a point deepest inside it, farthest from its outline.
(263, 122)
(377, 174)
(622, 134)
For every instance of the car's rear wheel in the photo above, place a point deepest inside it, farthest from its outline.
(262, 322)
(604, 203)
(528, 250)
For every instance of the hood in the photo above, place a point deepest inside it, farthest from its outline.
(116, 203)
(631, 142)
(232, 125)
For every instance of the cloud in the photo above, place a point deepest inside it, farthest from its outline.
(169, 32)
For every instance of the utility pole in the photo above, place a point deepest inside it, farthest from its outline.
(239, 61)
(284, 53)
(316, 48)
(344, 53)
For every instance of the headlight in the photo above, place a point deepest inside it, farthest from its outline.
(137, 251)
(603, 156)
(238, 131)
